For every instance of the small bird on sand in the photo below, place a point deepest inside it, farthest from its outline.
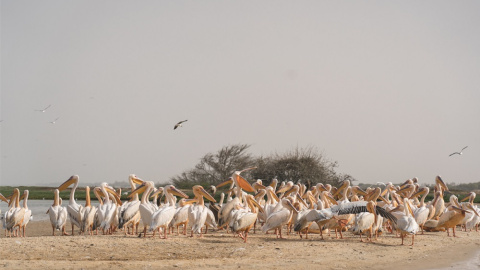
(179, 124)
(44, 109)
(458, 153)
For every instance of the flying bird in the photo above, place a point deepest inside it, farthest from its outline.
(54, 121)
(44, 109)
(458, 153)
(179, 124)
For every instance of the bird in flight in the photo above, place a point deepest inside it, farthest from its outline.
(54, 121)
(179, 124)
(44, 109)
(458, 153)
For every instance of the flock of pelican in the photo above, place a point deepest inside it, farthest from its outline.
(400, 210)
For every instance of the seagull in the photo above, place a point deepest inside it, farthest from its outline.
(458, 153)
(53, 122)
(44, 109)
(179, 124)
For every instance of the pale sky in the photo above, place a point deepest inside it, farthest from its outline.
(388, 89)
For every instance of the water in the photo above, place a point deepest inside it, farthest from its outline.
(471, 264)
(39, 208)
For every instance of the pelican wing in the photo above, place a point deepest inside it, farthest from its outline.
(128, 212)
(276, 220)
(162, 217)
(75, 214)
(359, 207)
(244, 222)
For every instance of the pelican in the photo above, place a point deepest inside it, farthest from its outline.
(240, 183)
(245, 222)
(181, 216)
(54, 121)
(89, 212)
(179, 124)
(107, 210)
(164, 215)
(58, 214)
(406, 223)
(146, 208)
(129, 213)
(16, 214)
(198, 213)
(458, 153)
(281, 217)
(27, 212)
(73, 208)
(422, 212)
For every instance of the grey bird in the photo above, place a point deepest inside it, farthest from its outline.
(458, 153)
(179, 124)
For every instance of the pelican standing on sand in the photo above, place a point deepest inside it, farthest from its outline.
(27, 212)
(246, 221)
(73, 208)
(164, 215)
(146, 208)
(89, 212)
(14, 216)
(198, 213)
(108, 209)
(58, 214)
(129, 213)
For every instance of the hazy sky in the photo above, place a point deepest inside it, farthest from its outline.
(386, 88)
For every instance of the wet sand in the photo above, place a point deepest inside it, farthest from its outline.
(216, 250)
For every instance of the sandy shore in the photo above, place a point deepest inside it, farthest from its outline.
(220, 250)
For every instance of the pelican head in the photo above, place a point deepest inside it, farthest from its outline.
(200, 191)
(72, 180)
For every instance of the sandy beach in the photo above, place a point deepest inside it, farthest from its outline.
(215, 250)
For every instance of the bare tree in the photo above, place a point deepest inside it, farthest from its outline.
(307, 165)
(214, 168)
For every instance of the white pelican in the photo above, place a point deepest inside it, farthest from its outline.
(181, 216)
(15, 215)
(164, 215)
(58, 214)
(240, 184)
(146, 208)
(73, 208)
(422, 212)
(406, 223)
(281, 217)
(245, 222)
(129, 213)
(27, 212)
(89, 212)
(453, 215)
(107, 210)
(198, 212)
(2, 198)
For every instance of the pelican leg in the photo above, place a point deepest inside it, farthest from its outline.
(413, 238)
(72, 229)
(401, 235)
(53, 231)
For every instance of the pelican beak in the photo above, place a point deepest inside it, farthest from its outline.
(273, 184)
(299, 198)
(283, 189)
(259, 195)
(418, 193)
(342, 187)
(466, 198)
(178, 192)
(138, 190)
(189, 201)
(137, 180)
(207, 195)
(242, 183)
(331, 199)
(112, 191)
(290, 205)
(290, 190)
(255, 204)
(157, 192)
(360, 191)
(70, 181)
(440, 182)
(259, 186)
(3, 198)
(470, 206)
(409, 209)
(274, 196)
(229, 181)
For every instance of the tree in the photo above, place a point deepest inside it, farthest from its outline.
(215, 168)
(300, 164)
